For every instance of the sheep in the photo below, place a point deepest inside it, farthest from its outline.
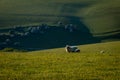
(102, 51)
(60, 24)
(70, 27)
(67, 48)
(26, 33)
(71, 49)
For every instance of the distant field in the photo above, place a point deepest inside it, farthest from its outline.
(96, 20)
(56, 64)
(98, 16)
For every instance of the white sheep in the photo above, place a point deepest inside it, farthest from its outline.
(71, 49)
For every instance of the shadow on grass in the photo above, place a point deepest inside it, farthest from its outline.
(57, 36)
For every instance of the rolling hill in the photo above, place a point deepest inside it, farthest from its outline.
(95, 20)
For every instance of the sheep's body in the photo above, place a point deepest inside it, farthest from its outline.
(71, 49)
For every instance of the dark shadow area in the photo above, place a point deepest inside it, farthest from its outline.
(52, 37)
(37, 37)
(55, 36)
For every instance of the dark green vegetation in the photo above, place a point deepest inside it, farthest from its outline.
(56, 64)
(12, 50)
(32, 38)
(96, 20)
(98, 16)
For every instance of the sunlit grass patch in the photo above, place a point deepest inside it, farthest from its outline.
(57, 64)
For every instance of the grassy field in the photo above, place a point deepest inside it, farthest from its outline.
(56, 64)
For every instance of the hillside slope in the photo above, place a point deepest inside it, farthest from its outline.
(106, 47)
(56, 64)
(98, 16)
(95, 21)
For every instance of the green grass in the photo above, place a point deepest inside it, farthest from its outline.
(103, 17)
(56, 64)
(98, 16)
